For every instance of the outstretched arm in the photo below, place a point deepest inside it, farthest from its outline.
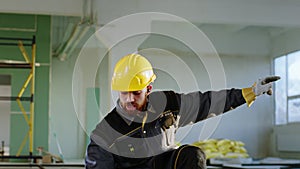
(198, 106)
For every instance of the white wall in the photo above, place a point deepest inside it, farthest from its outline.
(71, 79)
(65, 130)
(286, 43)
(285, 141)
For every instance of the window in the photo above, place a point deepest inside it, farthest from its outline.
(287, 90)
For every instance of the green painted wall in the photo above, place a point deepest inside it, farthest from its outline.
(25, 26)
(92, 110)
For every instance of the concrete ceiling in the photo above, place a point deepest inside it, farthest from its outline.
(275, 13)
(272, 16)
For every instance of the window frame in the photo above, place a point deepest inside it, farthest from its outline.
(287, 96)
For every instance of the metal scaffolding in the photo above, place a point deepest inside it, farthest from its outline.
(29, 63)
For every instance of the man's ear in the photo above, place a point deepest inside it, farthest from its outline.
(149, 88)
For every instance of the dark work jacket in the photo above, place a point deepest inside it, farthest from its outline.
(131, 143)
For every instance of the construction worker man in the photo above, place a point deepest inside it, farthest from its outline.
(139, 133)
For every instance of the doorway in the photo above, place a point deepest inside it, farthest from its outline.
(5, 90)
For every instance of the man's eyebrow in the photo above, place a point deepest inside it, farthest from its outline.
(133, 92)
(137, 92)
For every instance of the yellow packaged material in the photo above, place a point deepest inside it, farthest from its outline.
(213, 155)
(223, 142)
(222, 148)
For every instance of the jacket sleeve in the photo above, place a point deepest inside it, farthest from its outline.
(197, 106)
(98, 158)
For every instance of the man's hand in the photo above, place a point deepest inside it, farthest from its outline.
(264, 85)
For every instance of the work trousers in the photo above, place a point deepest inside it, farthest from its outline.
(185, 157)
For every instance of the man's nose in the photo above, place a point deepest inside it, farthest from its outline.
(130, 97)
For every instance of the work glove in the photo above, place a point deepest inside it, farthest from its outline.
(262, 86)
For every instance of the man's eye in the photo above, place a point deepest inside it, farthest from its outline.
(136, 92)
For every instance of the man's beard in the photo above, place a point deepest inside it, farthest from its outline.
(131, 108)
(134, 109)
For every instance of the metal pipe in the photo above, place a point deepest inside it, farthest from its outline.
(31, 126)
(69, 30)
(80, 37)
(63, 55)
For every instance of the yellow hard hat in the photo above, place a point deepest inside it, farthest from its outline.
(133, 72)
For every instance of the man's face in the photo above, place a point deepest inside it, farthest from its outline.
(134, 101)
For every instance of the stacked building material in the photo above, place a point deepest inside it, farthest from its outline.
(222, 148)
